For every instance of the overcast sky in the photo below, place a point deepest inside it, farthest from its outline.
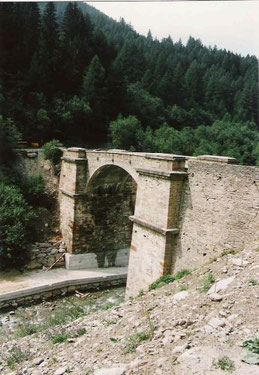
(233, 25)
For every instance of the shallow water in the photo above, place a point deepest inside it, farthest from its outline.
(61, 310)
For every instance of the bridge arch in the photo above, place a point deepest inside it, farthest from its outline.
(111, 197)
(100, 220)
(112, 176)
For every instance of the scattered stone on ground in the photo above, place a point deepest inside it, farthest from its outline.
(165, 331)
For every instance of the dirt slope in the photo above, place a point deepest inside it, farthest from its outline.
(179, 329)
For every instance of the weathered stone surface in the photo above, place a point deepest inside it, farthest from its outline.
(221, 285)
(239, 262)
(218, 212)
(45, 254)
(37, 361)
(215, 297)
(181, 295)
(111, 371)
(251, 358)
(60, 371)
(179, 337)
(216, 322)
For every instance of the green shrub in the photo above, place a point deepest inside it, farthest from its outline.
(80, 331)
(124, 132)
(62, 337)
(141, 293)
(16, 218)
(207, 282)
(33, 189)
(51, 151)
(16, 356)
(252, 345)
(9, 137)
(253, 282)
(224, 364)
(163, 280)
(228, 252)
(182, 274)
(134, 341)
(27, 330)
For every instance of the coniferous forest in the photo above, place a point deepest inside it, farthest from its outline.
(71, 73)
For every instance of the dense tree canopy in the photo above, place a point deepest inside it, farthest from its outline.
(67, 71)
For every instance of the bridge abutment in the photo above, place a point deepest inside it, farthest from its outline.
(154, 227)
(73, 180)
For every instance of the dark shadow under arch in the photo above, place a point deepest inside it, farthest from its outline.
(110, 200)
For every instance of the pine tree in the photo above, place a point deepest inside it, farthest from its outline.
(194, 81)
(76, 52)
(94, 91)
(130, 62)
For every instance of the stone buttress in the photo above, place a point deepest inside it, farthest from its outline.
(155, 226)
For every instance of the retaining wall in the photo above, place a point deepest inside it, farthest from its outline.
(40, 293)
(219, 212)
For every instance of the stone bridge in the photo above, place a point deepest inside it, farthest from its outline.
(149, 211)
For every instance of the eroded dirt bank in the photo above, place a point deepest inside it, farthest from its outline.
(198, 324)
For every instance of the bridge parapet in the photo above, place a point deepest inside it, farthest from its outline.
(131, 161)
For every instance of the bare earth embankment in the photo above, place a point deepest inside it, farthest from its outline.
(204, 323)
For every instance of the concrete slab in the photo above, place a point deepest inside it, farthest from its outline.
(88, 261)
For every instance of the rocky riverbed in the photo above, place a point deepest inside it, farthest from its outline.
(56, 312)
(203, 323)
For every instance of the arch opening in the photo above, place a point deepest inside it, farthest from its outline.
(110, 200)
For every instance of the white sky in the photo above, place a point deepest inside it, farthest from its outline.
(233, 25)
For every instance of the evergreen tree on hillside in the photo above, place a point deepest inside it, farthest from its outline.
(49, 48)
(130, 62)
(94, 91)
(103, 49)
(67, 71)
(76, 52)
(194, 82)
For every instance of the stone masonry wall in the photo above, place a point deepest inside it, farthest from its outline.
(33, 164)
(219, 212)
(44, 254)
(103, 224)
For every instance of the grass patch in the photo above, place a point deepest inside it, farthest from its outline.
(229, 252)
(64, 316)
(107, 306)
(27, 330)
(207, 282)
(134, 341)
(224, 364)
(114, 339)
(252, 345)
(182, 274)
(167, 279)
(163, 280)
(182, 288)
(80, 331)
(59, 339)
(141, 293)
(17, 356)
(253, 282)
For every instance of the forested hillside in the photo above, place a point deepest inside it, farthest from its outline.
(70, 72)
